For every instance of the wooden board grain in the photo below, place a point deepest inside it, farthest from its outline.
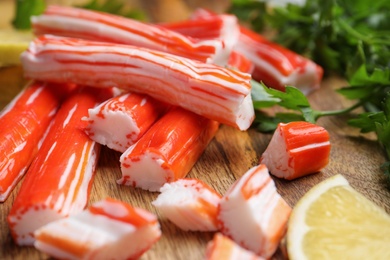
(230, 154)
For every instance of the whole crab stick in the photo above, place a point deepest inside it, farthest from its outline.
(23, 125)
(59, 179)
(297, 149)
(168, 150)
(223, 248)
(109, 229)
(190, 204)
(120, 121)
(220, 94)
(253, 214)
(275, 65)
(93, 25)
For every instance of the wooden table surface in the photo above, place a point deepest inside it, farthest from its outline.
(230, 154)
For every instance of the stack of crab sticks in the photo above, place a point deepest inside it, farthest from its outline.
(157, 94)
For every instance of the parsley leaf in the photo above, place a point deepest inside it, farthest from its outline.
(24, 10)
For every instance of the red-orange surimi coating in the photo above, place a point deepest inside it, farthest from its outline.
(212, 91)
(297, 149)
(120, 121)
(59, 179)
(223, 248)
(168, 150)
(109, 229)
(253, 214)
(240, 62)
(93, 25)
(22, 126)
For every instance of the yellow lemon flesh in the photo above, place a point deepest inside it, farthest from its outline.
(334, 221)
(12, 44)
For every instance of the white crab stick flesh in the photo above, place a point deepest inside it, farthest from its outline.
(120, 121)
(223, 248)
(59, 180)
(297, 149)
(253, 214)
(214, 92)
(109, 229)
(190, 204)
(168, 150)
(98, 26)
(23, 123)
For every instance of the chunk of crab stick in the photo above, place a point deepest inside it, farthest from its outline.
(223, 248)
(218, 93)
(120, 121)
(240, 62)
(98, 26)
(24, 122)
(253, 214)
(109, 229)
(59, 179)
(168, 150)
(277, 66)
(297, 149)
(190, 204)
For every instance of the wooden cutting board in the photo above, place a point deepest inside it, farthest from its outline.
(357, 157)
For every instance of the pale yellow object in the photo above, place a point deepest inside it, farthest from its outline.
(334, 221)
(12, 44)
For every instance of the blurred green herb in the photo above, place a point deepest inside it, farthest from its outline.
(24, 9)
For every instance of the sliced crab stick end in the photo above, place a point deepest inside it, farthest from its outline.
(212, 91)
(120, 121)
(240, 62)
(223, 248)
(23, 125)
(277, 66)
(190, 204)
(59, 179)
(168, 150)
(109, 229)
(98, 26)
(297, 149)
(253, 214)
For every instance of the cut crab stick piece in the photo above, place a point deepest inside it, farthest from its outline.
(240, 62)
(190, 204)
(277, 66)
(59, 179)
(214, 92)
(223, 248)
(98, 26)
(120, 121)
(253, 214)
(168, 150)
(297, 149)
(23, 123)
(109, 229)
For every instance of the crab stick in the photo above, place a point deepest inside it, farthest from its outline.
(214, 92)
(120, 121)
(168, 150)
(297, 149)
(277, 66)
(98, 26)
(59, 179)
(223, 248)
(253, 214)
(23, 124)
(190, 204)
(109, 229)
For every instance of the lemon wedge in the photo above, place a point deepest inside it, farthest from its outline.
(334, 221)
(12, 44)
